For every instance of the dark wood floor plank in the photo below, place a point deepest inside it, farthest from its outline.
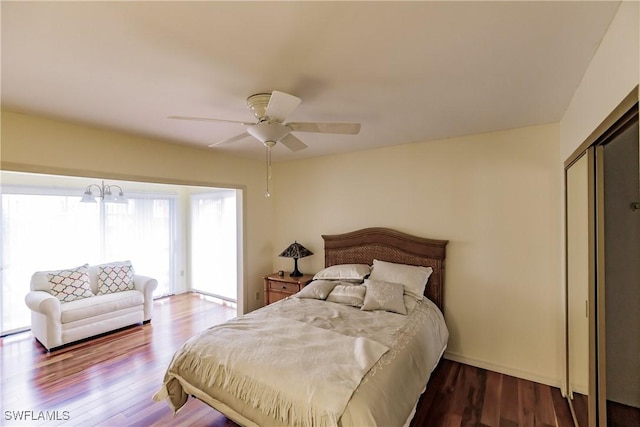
(438, 399)
(430, 395)
(581, 408)
(507, 423)
(526, 403)
(452, 420)
(461, 388)
(491, 409)
(475, 396)
(544, 410)
(620, 415)
(509, 400)
(561, 408)
(109, 381)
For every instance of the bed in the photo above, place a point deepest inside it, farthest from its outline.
(355, 347)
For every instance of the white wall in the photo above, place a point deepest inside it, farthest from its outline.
(40, 145)
(495, 197)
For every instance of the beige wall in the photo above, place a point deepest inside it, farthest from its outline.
(36, 144)
(495, 197)
(613, 73)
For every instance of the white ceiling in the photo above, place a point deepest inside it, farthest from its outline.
(408, 71)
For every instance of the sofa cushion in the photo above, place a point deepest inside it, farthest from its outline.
(98, 325)
(115, 277)
(100, 304)
(70, 284)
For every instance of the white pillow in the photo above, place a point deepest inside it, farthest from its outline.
(413, 278)
(348, 294)
(115, 277)
(385, 296)
(318, 289)
(350, 272)
(70, 284)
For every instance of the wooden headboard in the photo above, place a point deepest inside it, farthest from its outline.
(384, 244)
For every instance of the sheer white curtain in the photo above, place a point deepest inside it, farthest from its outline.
(214, 244)
(40, 232)
(45, 229)
(144, 232)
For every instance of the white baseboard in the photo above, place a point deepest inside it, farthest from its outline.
(514, 372)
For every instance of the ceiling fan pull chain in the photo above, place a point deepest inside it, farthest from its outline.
(266, 193)
(269, 162)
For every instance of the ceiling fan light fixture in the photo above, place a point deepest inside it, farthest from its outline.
(268, 131)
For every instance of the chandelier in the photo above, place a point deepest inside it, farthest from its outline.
(106, 193)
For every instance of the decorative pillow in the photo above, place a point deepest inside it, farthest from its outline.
(413, 278)
(348, 295)
(347, 272)
(410, 303)
(385, 296)
(115, 277)
(318, 289)
(70, 284)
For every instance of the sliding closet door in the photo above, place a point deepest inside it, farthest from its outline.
(580, 245)
(619, 287)
(603, 273)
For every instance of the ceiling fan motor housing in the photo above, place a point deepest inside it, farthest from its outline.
(258, 104)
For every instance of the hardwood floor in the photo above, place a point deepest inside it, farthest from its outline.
(462, 395)
(109, 381)
(619, 415)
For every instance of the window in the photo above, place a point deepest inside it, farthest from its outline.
(44, 229)
(143, 231)
(40, 232)
(214, 244)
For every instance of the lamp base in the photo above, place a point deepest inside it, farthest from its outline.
(295, 272)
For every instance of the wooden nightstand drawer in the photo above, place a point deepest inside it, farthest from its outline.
(278, 287)
(284, 287)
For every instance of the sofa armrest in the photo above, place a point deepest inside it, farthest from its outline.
(146, 285)
(44, 303)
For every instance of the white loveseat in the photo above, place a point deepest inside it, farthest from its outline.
(89, 307)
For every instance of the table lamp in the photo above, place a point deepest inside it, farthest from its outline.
(295, 251)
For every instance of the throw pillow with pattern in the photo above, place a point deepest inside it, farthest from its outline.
(115, 277)
(70, 284)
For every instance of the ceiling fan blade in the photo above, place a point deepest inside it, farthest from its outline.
(281, 105)
(293, 143)
(207, 119)
(232, 139)
(343, 128)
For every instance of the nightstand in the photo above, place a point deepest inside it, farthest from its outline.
(279, 287)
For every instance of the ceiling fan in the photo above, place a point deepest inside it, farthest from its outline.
(271, 110)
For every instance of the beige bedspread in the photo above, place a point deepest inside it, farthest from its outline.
(385, 390)
(271, 364)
